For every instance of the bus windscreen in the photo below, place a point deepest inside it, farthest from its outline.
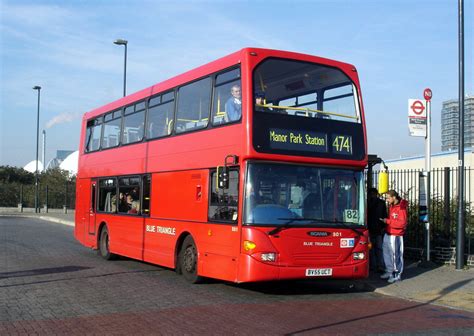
(305, 90)
(306, 109)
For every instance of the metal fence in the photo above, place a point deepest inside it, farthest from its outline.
(443, 205)
(50, 196)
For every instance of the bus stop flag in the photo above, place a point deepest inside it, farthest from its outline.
(417, 120)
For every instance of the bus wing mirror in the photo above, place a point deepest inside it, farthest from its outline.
(223, 177)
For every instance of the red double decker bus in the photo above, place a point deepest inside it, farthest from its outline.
(248, 168)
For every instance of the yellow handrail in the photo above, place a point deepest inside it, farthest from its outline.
(170, 126)
(219, 113)
(305, 109)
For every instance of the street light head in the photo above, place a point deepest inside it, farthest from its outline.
(120, 42)
(36, 87)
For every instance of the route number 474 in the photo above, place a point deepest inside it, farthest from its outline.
(342, 144)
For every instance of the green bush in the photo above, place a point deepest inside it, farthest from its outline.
(17, 182)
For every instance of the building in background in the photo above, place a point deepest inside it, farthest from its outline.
(61, 155)
(450, 126)
(31, 166)
(404, 174)
(65, 159)
(438, 161)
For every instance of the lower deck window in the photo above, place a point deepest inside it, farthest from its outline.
(107, 195)
(224, 202)
(129, 195)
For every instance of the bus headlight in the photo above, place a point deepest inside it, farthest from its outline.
(268, 257)
(358, 256)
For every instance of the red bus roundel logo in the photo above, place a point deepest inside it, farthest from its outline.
(417, 107)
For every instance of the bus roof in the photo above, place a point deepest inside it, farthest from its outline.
(203, 70)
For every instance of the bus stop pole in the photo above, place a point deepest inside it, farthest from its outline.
(428, 177)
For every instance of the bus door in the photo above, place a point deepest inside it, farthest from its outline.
(92, 207)
(222, 239)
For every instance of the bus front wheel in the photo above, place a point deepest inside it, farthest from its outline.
(188, 258)
(104, 245)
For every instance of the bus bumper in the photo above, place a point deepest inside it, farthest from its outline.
(252, 270)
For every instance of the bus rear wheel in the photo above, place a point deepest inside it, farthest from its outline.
(188, 260)
(104, 245)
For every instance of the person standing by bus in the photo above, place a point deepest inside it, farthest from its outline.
(233, 106)
(396, 224)
(376, 209)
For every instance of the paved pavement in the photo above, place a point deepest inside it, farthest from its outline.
(53, 215)
(51, 284)
(437, 284)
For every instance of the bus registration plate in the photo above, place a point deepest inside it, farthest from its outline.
(318, 271)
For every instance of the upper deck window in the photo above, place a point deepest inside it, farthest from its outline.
(160, 115)
(193, 106)
(112, 124)
(93, 135)
(304, 89)
(133, 123)
(227, 100)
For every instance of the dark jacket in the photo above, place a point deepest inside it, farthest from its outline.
(376, 209)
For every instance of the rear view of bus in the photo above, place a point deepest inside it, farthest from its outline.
(304, 199)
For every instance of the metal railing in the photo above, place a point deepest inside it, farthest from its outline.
(443, 205)
(61, 196)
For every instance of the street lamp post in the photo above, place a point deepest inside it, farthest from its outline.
(461, 231)
(38, 88)
(124, 43)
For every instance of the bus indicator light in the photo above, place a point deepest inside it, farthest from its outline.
(249, 245)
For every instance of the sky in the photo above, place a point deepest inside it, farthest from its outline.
(66, 47)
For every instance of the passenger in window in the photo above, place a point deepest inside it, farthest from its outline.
(134, 193)
(114, 203)
(133, 204)
(233, 106)
(123, 205)
(260, 102)
(311, 202)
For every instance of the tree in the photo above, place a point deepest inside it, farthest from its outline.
(10, 174)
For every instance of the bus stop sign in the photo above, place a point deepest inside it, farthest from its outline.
(417, 117)
(427, 94)
(417, 107)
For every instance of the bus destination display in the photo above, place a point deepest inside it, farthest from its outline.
(309, 141)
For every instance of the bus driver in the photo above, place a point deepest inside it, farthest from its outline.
(233, 106)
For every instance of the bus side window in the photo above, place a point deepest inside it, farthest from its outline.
(107, 195)
(223, 99)
(133, 123)
(223, 203)
(129, 195)
(112, 125)
(160, 115)
(194, 104)
(93, 135)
